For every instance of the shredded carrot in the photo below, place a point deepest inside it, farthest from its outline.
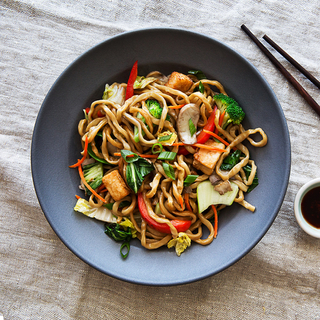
(118, 154)
(153, 156)
(84, 155)
(178, 144)
(78, 197)
(215, 227)
(179, 106)
(101, 188)
(181, 201)
(186, 200)
(221, 117)
(203, 146)
(216, 136)
(87, 185)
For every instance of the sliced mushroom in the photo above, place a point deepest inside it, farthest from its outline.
(189, 112)
(214, 179)
(223, 187)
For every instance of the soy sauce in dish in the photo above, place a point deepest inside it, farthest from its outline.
(310, 207)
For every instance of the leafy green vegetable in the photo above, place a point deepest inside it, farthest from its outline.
(190, 179)
(168, 170)
(93, 155)
(201, 87)
(247, 169)
(137, 169)
(231, 160)
(129, 156)
(101, 213)
(122, 204)
(198, 73)
(192, 127)
(141, 82)
(93, 173)
(155, 109)
(98, 142)
(114, 93)
(181, 243)
(117, 233)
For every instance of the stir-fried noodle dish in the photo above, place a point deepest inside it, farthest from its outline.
(162, 156)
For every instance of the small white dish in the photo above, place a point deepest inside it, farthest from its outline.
(306, 226)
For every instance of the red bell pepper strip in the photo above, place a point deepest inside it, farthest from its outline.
(183, 150)
(180, 225)
(132, 79)
(203, 136)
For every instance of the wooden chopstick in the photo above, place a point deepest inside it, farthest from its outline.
(314, 80)
(284, 71)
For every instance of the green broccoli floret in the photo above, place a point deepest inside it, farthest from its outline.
(93, 173)
(155, 109)
(234, 112)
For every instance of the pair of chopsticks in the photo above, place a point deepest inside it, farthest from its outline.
(284, 71)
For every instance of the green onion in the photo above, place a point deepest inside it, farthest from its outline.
(157, 145)
(168, 170)
(165, 138)
(192, 127)
(190, 179)
(201, 87)
(127, 246)
(166, 155)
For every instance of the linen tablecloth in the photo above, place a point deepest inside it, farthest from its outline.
(39, 277)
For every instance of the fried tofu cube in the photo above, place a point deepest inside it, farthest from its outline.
(179, 81)
(205, 160)
(115, 185)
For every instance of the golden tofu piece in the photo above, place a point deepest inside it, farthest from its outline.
(115, 185)
(179, 81)
(205, 160)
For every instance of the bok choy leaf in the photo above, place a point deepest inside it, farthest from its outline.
(137, 169)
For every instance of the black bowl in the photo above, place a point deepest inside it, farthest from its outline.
(56, 145)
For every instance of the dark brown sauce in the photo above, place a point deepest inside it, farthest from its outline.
(310, 207)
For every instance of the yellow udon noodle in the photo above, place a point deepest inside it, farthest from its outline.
(117, 128)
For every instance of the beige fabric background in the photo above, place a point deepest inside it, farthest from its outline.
(39, 277)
